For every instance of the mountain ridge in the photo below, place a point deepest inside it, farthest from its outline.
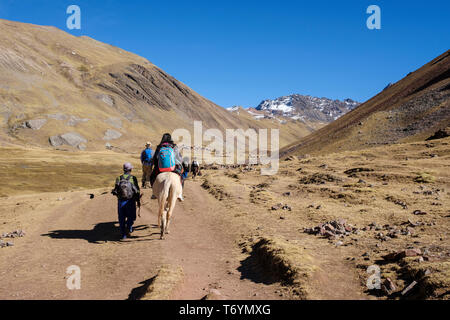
(411, 109)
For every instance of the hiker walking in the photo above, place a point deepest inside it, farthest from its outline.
(195, 167)
(186, 167)
(167, 158)
(127, 191)
(146, 161)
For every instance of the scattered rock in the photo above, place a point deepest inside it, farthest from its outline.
(6, 244)
(388, 287)
(419, 213)
(56, 141)
(111, 134)
(106, 99)
(332, 229)
(409, 288)
(35, 124)
(399, 202)
(281, 206)
(73, 121)
(114, 122)
(72, 139)
(15, 234)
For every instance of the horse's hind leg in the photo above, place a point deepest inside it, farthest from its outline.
(162, 218)
(172, 202)
(163, 224)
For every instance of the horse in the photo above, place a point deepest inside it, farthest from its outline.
(167, 188)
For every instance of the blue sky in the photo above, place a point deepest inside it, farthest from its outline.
(242, 52)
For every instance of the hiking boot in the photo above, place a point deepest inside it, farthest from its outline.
(154, 197)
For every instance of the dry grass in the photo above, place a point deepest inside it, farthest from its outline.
(27, 170)
(325, 188)
(285, 261)
(164, 283)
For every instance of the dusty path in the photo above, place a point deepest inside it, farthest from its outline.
(83, 232)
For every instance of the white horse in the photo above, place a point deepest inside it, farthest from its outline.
(167, 188)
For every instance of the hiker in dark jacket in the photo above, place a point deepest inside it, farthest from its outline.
(127, 191)
(195, 168)
(186, 169)
(146, 161)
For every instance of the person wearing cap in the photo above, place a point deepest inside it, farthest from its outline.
(146, 160)
(127, 204)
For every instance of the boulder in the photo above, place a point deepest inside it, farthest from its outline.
(35, 124)
(106, 99)
(56, 141)
(73, 121)
(72, 139)
(114, 122)
(111, 134)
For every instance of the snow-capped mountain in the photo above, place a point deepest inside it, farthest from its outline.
(307, 108)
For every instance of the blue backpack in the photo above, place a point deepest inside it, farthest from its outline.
(166, 159)
(147, 158)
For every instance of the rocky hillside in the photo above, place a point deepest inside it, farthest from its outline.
(307, 108)
(413, 109)
(76, 93)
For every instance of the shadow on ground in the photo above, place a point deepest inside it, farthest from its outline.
(139, 292)
(252, 270)
(105, 231)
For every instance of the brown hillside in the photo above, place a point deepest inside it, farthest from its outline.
(411, 109)
(53, 83)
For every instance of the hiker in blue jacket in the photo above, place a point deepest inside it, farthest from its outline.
(146, 160)
(127, 191)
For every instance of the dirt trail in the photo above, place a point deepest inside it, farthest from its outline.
(84, 232)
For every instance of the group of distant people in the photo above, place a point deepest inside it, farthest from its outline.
(166, 158)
